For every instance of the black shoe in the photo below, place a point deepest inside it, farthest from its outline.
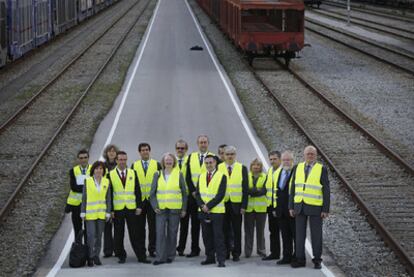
(90, 262)
(157, 262)
(284, 261)
(169, 261)
(180, 253)
(107, 255)
(317, 263)
(122, 260)
(221, 265)
(97, 261)
(193, 254)
(144, 261)
(152, 254)
(207, 262)
(236, 259)
(297, 264)
(270, 257)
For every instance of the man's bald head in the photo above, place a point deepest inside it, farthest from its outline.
(310, 154)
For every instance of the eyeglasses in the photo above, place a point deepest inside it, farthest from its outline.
(180, 148)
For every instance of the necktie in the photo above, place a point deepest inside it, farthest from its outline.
(83, 171)
(201, 159)
(180, 163)
(208, 178)
(123, 177)
(229, 170)
(283, 180)
(307, 169)
(145, 166)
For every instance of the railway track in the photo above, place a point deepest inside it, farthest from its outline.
(400, 16)
(380, 182)
(399, 32)
(396, 58)
(39, 122)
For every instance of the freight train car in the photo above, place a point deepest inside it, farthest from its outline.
(260, 27)
(27, 24)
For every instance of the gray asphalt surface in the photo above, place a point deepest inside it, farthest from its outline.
(175, 93)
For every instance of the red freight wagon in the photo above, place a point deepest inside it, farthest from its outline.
(260, 27)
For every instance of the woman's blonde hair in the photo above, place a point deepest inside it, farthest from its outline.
(165, 156)
(256, 161)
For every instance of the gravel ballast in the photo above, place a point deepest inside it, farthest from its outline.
(38, 213)
(354, 245)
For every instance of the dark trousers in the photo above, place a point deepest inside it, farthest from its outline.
(316, 236)
(108, 239)
(274, 235)
(192, 213)
(287, 228)
(147, 215)
(77, 221)
(213, 238)
(233, 218)
(128, 217)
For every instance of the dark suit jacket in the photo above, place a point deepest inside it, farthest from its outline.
(309, 209)
(283, 196)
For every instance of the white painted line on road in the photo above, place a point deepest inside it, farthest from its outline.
(243, 120)
(65, 251)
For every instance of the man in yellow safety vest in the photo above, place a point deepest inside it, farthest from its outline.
(145, 169)
(210, 194)
(195, 167)
(77, 176)
(309, 199)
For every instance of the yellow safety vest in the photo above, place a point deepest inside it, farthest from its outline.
(184, 170)
(123, 197)
(269, 186)
(208, 193)
(234, 190)
(96, 200)
(145, 179)
(195, 167)
(309, 191)
(169, 193)
(75, 198)
(257, 204)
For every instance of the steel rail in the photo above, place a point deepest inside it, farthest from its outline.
(408, 70)
(5, 210)
(39, 92)
(355, 21)
(389, 239)
(399, 17)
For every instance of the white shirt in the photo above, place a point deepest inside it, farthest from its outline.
(121, 171)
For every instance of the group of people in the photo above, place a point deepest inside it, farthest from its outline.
(215, 192)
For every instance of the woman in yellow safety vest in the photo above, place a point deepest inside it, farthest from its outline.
(96, 209)
(256, 210)
(168, 198)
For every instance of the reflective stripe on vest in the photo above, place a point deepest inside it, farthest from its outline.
(145, 180)
(96, 200)
(309, 191)
(269, 186)
(257, 204)
(169, 193)
(234, 190)
(195, 167)
(208, 193)
(75, 198)
(123, 197)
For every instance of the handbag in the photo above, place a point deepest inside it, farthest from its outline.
(78, 252)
